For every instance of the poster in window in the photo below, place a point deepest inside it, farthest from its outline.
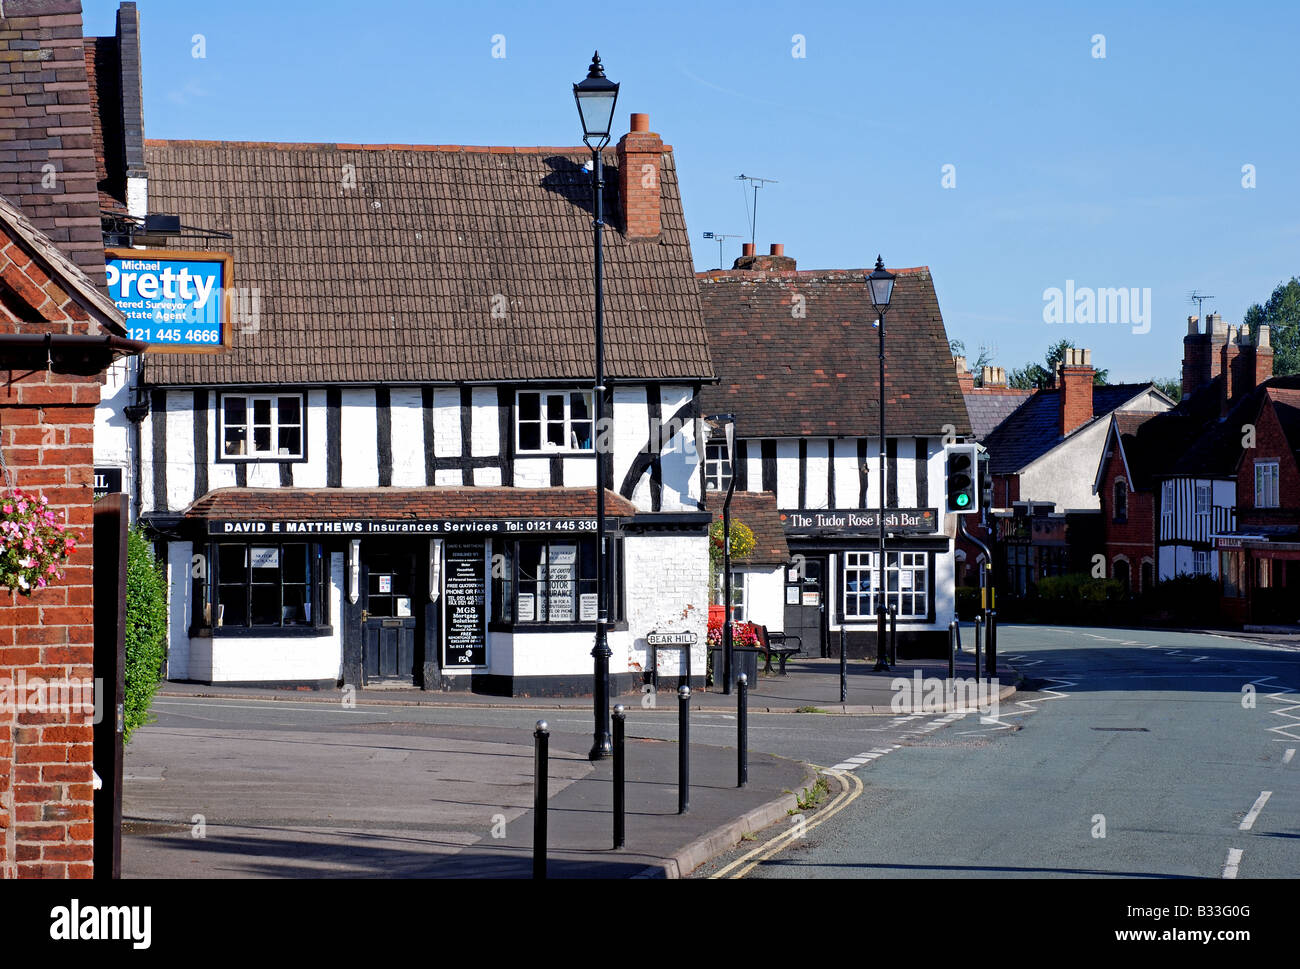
(792, 595)
(905, 579)
(465, 606)
(527, 607)
(403, 607)
(561, 572)
(587, 610)
(386, 584)
(264, 558)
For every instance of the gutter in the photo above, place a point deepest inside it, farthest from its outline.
(72, 341)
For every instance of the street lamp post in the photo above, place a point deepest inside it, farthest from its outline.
(596, 96)
(727, 422)
(881, 283)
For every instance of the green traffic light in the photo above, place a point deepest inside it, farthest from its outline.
(963, 501)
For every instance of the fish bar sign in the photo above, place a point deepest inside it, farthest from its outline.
(172, 299)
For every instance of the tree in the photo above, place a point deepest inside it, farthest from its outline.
(1171, 387)
(1033, 375)
(146, 630)
(1282, 314)
(958, 349)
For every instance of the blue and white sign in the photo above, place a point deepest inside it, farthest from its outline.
(170, 299)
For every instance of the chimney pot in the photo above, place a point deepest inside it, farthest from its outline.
(1193, 325)
(778, 249)
(1262, 337)
(640, 122)
(747, 249)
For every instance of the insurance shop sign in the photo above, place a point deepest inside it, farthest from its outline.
(171, 299)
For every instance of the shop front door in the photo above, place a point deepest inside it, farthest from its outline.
(388, 623)
(805, 605)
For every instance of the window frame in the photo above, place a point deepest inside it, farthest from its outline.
(542, 421)
(317, 597)
(505, 586)
(715, 479)
(1119, 513)
(1271, 477)
(1196, 498)
(893, 595)
(739, 599)
(248, 397)
(1200, 556)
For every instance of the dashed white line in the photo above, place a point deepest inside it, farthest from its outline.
(1290, 752)
(1230, 866)
(1248, 821)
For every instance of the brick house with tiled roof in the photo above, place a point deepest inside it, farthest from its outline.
(797, 359)
(404, 398)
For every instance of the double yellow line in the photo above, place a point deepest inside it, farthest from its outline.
(850, 789)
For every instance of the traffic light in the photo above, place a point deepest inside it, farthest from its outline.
(963, 488)
(986, 481)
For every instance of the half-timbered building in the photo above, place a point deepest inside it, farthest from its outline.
(797, 357)
(386, 473)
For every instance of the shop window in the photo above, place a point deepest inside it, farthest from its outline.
(1266, 491)
(260, 586)
(256, 427)
(717, 466)
(1121, 501)
(549, 421)
(907, 578)
(552, 581)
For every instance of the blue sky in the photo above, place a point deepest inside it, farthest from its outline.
(1122, 171)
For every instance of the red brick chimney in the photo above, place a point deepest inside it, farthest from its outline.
(1075, 383)
(965, 379)
(640, 153)
(776, 259)
(1263, 355)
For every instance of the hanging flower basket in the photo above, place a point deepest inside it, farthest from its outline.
(35, 542)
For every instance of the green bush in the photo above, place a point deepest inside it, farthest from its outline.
(146, 629)
(1079, 589)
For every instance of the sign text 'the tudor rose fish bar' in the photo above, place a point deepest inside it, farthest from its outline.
(171, 298)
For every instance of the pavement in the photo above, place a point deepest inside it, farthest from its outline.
(391, 799)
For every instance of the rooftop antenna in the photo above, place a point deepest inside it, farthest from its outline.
(1197, 297)
(720, 238)
(757, 183)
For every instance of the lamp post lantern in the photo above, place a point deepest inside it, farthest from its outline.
(596, 96)
(727, 422)
(881, 283)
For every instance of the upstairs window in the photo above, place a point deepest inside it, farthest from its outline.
(717, 466)
(1266, 490)
(1121, 501)
(1202, 499)
(255, 426)
(554, 420)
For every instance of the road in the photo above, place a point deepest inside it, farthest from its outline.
(1135, 754)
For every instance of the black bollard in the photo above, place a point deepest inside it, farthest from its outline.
(742, 730)
(620, 765)
(844, 669)
(683, 749)
(979, 627)
(541, 737)
(991, 648)
(952, 648)
(893, 635)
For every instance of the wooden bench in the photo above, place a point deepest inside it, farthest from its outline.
(779, 645)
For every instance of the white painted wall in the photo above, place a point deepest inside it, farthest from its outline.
(680, 458)
(846, 473)
(446, 422)
(112, 429)
(787, 474)
(817, 484)
(407, 424)
(533, 473)
(667, 590)
(360, 439)
(1065, 474)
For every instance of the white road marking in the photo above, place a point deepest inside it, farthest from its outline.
(1290, 752)
(1248, 821)
(1234, 859)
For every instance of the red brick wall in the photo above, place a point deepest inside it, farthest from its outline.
(46, 433)
(638, 187)
(1270, 444)
(1133, 538)
(1076, 397)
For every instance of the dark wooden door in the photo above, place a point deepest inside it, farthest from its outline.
(805, 605)
(388, 618)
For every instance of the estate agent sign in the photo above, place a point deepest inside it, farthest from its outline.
(171, 299)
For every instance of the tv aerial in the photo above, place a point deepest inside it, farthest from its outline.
(720, 238)
(1197, 297)
(756, 183)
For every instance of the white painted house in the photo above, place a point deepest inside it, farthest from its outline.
(386, 475)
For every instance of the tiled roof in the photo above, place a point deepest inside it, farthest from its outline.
(1286, 404)
(1142, 452)
(1213, 445)
(336, 504)
(441, 263)
(758, 511)
(1035, 428)
(989, 408)
(784, 374)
